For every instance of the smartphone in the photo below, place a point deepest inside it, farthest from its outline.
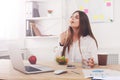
(70, 66)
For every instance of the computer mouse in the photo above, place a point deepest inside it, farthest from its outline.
(57, 72)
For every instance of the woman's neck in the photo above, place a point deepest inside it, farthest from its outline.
(75, 35)
(75, 31)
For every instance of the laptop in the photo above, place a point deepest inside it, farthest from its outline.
(18, 64)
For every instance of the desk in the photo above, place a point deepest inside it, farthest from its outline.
(8, 73)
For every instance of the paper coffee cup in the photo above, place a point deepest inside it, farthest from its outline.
(102, 59)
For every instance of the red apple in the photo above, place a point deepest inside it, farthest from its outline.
(32, 59)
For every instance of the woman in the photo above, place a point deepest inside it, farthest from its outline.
(79, 43)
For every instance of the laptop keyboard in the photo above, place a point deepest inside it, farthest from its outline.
(31, 69)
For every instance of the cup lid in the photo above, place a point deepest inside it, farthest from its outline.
(103, 53)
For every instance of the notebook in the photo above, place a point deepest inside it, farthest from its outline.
(18, 64)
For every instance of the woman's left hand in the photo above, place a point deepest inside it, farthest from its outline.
(91, 62)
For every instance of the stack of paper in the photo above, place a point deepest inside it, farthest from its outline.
(105, 74)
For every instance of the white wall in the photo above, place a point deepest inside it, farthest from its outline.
(108, 34)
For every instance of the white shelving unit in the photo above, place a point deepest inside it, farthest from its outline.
(47, 16)
(48, 24)
(42, 37)
(43, 18)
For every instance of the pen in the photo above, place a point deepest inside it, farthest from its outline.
(75, 72)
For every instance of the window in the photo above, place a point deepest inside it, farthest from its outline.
(11, 19)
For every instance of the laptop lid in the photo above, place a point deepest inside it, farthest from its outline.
(18, 64)
(16, 59)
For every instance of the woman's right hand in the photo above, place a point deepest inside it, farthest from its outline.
(63, 37)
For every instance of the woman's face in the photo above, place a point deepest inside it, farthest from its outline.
(74, 20)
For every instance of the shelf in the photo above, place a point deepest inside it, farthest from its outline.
(40, 37)
(46, 15)
(42, 18)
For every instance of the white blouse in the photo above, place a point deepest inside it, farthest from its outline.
(88, 49)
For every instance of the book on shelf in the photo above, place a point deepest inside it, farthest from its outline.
(32, 10)
(35, 12)
(29, 31)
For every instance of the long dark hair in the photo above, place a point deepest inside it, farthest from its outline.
(84, 30)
